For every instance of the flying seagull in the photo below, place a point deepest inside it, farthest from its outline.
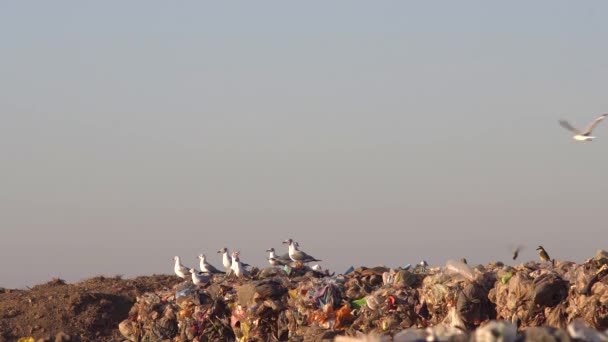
(586, 134)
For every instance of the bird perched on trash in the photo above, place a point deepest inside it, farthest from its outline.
(205, 266)
(237, 267)
(544, 256)
(179, 269)
(226, 259)
(297, 255)
(199, 279)
(584, 135)
(278, 260)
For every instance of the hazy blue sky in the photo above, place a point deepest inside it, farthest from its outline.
(370, 132)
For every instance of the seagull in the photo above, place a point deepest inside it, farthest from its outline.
(207, 267)
(179, 269)
(199, 279)
(586, 134)
(297, 255)
(237, 266)
(226, 259)
(278, 260)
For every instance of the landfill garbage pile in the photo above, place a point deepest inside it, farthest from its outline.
(556, 300)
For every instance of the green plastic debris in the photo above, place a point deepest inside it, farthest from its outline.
(357, 304)
(505, 279)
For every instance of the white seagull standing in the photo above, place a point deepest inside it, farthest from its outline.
(297, 255)
(207, 267)
(586, 134)
(225, 258)
(180, 270)
(237, 266)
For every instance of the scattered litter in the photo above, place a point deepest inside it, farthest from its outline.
(458, 302)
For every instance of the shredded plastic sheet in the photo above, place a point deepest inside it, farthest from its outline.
(459, 267)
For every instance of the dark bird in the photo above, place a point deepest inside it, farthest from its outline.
(544, 256)
(516, 252)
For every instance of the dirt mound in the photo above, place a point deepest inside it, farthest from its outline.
(91, 309)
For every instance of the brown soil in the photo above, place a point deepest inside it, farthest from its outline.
(90, 309)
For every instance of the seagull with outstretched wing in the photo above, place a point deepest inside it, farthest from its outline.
(584, 135)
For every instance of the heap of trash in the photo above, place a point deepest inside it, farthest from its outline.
(532, 301)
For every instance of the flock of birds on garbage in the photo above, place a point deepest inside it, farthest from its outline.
(233, 264)
(295, 257)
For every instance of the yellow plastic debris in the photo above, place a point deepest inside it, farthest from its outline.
(245, 331)
(293, 293)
